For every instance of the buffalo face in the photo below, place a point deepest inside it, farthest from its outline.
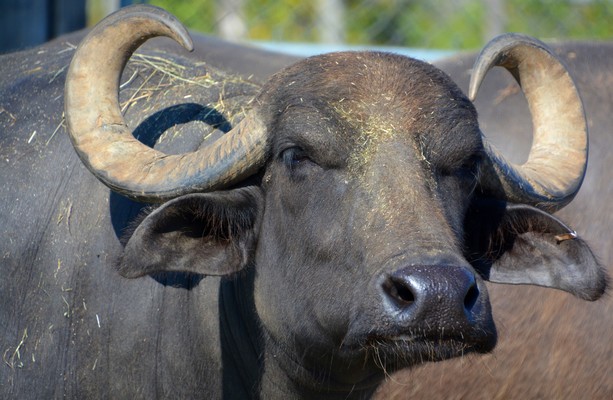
(370, 176)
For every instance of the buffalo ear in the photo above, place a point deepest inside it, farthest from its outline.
(520, 244)
(204, 233)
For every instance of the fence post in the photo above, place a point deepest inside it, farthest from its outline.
(331, 21)
(231, 23)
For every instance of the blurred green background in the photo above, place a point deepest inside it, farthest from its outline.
(427, 24)
(451, 24)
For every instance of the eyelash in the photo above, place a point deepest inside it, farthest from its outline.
(469, 168)
(293, 157)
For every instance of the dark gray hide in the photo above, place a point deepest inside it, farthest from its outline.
(77, 329)
(70, 326)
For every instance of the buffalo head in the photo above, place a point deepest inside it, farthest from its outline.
(378, 208)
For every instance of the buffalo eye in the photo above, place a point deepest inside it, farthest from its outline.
(294, 158)
(470, 167)
(467, 170)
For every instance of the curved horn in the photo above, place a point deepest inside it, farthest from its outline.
(106, 145)
(556, 164)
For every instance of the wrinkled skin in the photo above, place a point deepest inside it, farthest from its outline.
(176, 335)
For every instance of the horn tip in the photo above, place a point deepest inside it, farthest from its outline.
(472, 92)
(476, 78)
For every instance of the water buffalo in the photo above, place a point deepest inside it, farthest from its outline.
(308, 236)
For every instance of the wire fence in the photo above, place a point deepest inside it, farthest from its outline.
(451, 24)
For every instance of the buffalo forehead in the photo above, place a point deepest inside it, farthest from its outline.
(365, 98)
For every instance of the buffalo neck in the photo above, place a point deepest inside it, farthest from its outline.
(255, 365)
(285, 377)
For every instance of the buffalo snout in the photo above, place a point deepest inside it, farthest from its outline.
(439, 303)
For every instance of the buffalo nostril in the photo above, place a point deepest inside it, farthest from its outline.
(399, 291)
(471, 297)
